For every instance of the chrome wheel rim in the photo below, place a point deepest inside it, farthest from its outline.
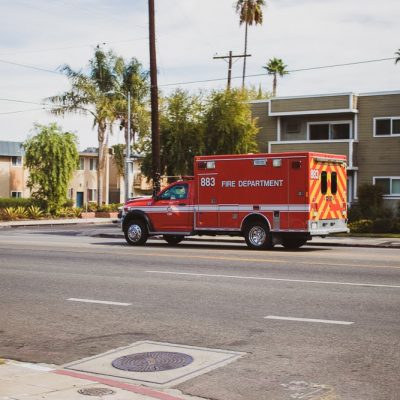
(134, 233)
(257, 236)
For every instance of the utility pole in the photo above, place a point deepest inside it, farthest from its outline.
(230, 57)
(155, 125)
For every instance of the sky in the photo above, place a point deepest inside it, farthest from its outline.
(45, 34)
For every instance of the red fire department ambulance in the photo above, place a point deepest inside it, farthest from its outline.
(277, 198)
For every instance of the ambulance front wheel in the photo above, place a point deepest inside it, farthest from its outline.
(258, 236)
(136, 233)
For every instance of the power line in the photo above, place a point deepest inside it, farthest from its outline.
(21, 111)
(217, 79)
(23, 101)
(71, 47)
(294, 70)
(30, 67)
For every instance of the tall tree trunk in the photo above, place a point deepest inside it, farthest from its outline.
(274, 86)
(245, 53)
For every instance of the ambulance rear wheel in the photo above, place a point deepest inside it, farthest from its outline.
(173, 239)
(257, 236)
(136, 233)
(293, 243)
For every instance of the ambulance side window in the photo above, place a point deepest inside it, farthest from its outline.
(175, 192)
(324, 182)
(333, 182)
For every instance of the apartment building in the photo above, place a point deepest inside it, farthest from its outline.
(13, 175)
(365, 127)
(82, 188)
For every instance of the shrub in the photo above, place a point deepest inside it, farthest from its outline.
(77, 212)
(65, 212)
(370, 200)
(16, 202)
(21, 212)
(361, 226)
(34, 212)
(69, 203)
(10, 213)
(91, 207)
(382, 225)
(354, 213)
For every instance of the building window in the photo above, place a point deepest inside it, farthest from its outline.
(92, 194)
(70, 194)
(93, 164)
(16, 194)
(16, 161)
(389, 185)
(388, 126)
(81, 164)
(329, 130)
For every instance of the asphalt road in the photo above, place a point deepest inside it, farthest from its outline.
(317, 323)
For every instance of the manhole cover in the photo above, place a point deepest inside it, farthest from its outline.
(152, 361)
(96, 391)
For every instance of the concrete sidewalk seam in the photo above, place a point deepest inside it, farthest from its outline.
(120, 385)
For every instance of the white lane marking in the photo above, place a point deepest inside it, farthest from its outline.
(323, 321)
(114, 303)
(276, 279)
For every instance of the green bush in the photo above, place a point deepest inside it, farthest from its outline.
(354, 213)
(361, 226)
(91, 207)
(383, 225)
(16, 202)
(370, 201)
(77, 212)
(9, 214)
(21, 212)
(34, 212)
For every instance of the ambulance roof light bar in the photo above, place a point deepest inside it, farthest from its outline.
(331, 160)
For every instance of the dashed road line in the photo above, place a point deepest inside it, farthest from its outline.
(322, 321)
(113, 303)
(276, 279)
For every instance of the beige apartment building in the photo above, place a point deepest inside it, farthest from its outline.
(83, 187)
(13, 175)
(365, 127)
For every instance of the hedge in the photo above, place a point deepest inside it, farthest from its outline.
(16, 202)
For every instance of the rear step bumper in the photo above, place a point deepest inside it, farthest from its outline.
(324, 227)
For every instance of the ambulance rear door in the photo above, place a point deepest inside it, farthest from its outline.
(298, 207)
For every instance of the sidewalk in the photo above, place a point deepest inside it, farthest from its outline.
(25, 381)
(340, 241)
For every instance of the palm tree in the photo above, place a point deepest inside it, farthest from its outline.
(250, 11)
(398, 56)
(88, 96)
(276, 67)
(134, 80)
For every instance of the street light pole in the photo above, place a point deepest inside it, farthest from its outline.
(128, 160)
